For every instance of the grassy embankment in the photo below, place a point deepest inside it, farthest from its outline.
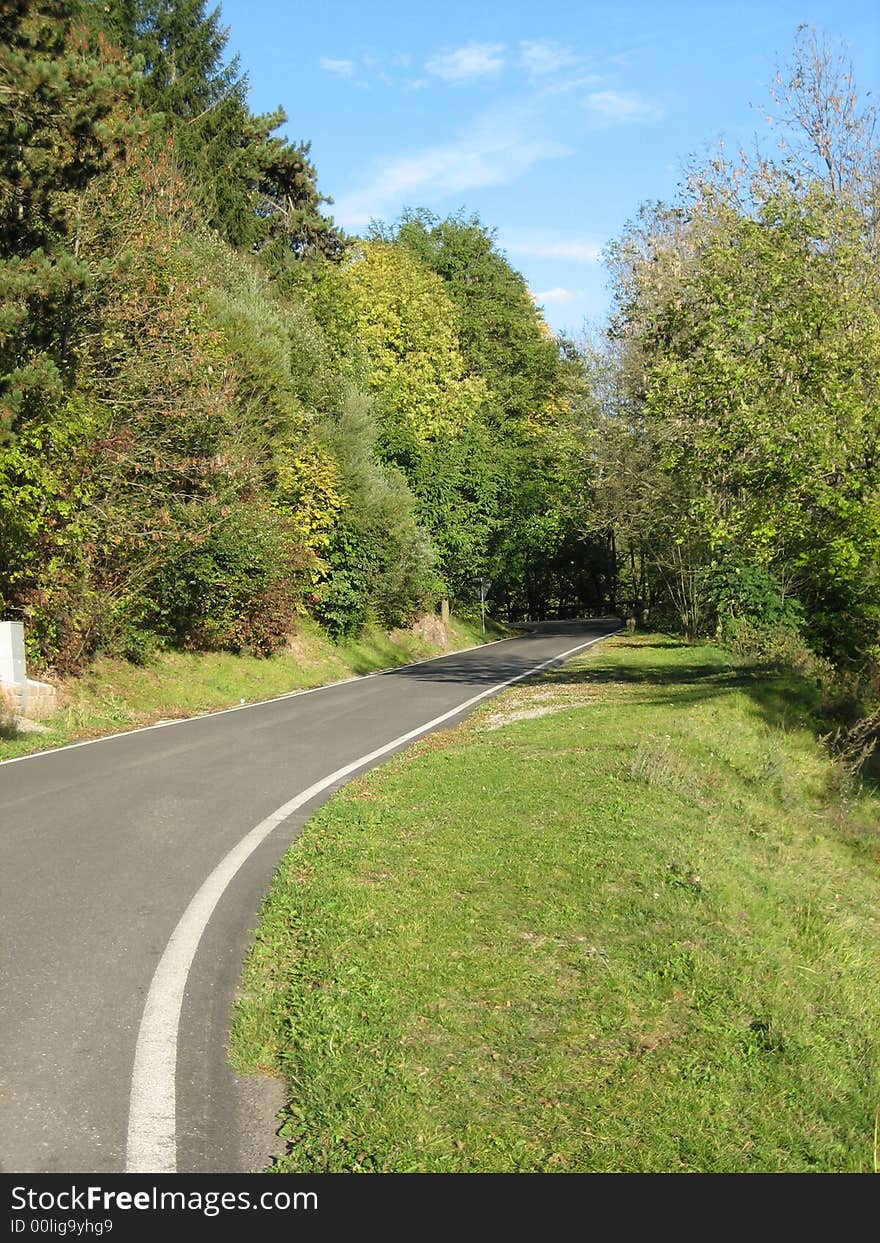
(115, 695)
(625, 918)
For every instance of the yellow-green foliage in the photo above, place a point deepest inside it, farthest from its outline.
(407, 325)
(308, 488)
(190, 500)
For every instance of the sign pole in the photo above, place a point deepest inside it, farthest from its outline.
(482, 585)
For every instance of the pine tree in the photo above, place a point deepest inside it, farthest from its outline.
(59, 90)
(253, 186)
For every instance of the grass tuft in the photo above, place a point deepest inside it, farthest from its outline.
(9, 730)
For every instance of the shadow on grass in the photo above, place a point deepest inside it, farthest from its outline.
(781, 698)
(664, 643)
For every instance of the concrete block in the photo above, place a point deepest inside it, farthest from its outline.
(26, 696)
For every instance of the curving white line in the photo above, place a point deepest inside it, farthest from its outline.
(152, 1120)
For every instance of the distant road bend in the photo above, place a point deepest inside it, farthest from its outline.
(132, 871)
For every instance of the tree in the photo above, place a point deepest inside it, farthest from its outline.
(749, 326)
(829, 133)
(502, 337)
(381, 562)
(251, 184)
(527, 451)
(61, 123)
(408, 329)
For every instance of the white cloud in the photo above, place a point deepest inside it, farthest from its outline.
(621, 106)
(342, 68)
(474, 60)
(540, 57)
(557, 295)
(500, 148)
(572, 249)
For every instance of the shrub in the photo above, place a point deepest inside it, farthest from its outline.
(8, 726)
(853, 745)
(341, 603)
(780, 646)
(233, 584)
(381, 562)
(749, 593)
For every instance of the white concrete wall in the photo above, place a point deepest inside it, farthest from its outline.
(13, 669)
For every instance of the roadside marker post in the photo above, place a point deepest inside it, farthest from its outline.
(482, 586)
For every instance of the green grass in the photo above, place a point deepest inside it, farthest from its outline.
(116, 695)
(624, 919)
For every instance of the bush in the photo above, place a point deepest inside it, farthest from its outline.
(382, 563)
(341, 603)
(739, 593)
(8, 726)
(234, 584)
(780, 646)
(853, 745)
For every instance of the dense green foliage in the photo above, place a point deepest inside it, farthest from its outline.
(741, 430)
(219, 413)
(757, 342)
(519, 470)
(252, 185)
(59, 97)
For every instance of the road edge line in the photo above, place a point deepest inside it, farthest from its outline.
(258, 703)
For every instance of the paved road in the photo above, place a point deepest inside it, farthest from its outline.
(102, 848)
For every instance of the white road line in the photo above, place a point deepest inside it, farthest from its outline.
(152, 1115)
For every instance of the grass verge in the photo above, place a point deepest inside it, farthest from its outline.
(624, 919)
(116, 695)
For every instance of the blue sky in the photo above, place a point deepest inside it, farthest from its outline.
(552, 121)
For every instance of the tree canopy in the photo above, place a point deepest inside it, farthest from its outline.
(219, 413)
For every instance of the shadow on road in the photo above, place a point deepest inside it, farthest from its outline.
(518, 659)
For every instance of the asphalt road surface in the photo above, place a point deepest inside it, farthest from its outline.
(131, 877)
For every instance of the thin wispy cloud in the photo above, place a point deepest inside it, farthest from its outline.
(465, 64)
(557, 295)
(540, 58)
(621, 107)
(570, 249)
(342, 68)
(497, 150)
(564, 85)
